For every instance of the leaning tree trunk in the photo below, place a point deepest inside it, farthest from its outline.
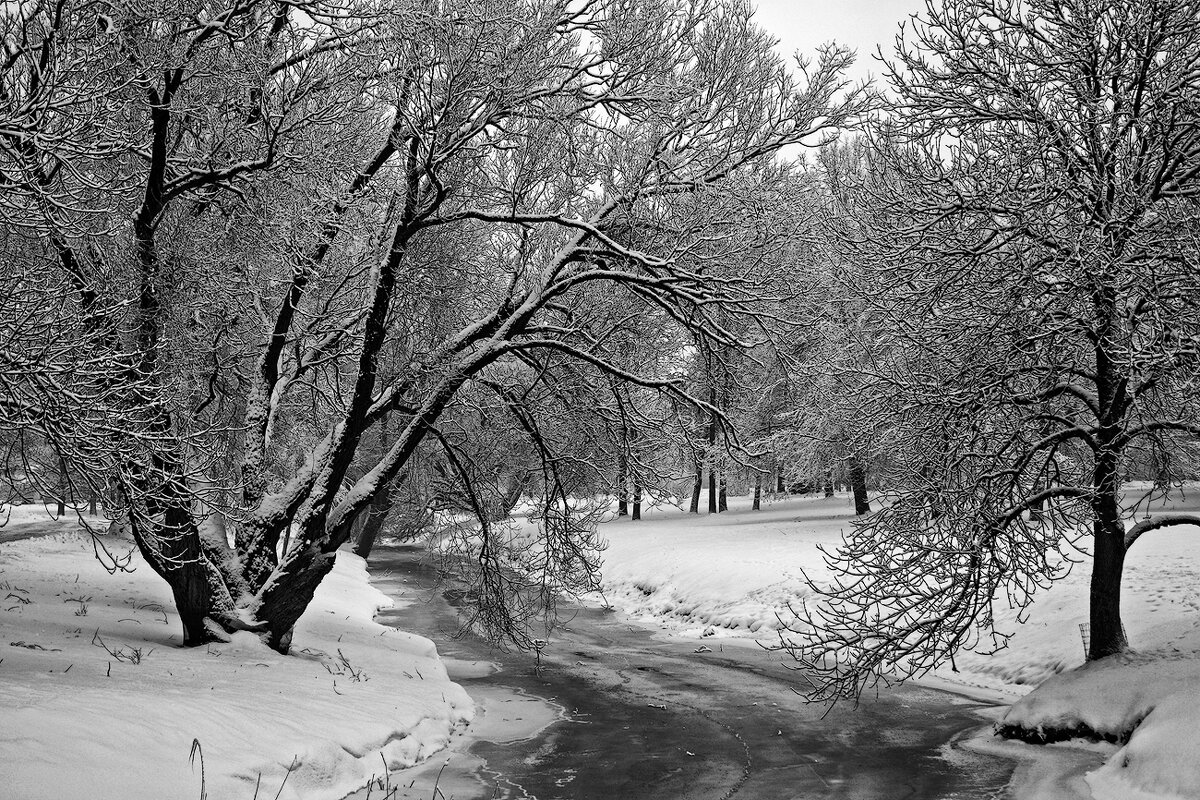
(189, 584)
(372, 525)
(291, 586)
(509, 499)
(285, 599)
(171, 546)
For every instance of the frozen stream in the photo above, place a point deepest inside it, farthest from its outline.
(617, 713)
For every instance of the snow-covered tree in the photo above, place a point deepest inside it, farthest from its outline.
(316, 216)
(1029, 224)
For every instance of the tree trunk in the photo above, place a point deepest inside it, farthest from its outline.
(757, 492)
(176, 556)
(828, 483)
(62, 488)
(505, 501)
(1107, 633)
(1107, 636)
(712, 490)
(858, 485)
(779, 487)
(712, 454)
(1108, 563)
(697, 487)
(637, 499)
(622, 481)
(722, 500)
(374, 517)
(292, 585)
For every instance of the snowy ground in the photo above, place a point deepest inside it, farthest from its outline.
(80, 720)
(732, 575)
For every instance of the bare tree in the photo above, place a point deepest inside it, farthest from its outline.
(1033, 283)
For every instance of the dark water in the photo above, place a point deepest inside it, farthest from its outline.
(646, 718)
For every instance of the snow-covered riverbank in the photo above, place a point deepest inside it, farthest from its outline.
(733, 574)
(97, 700)
(93, 687)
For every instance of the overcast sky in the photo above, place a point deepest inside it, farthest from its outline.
(860, 24)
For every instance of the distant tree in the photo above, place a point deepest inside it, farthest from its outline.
(1028, 216)
(747, 387)
(817, 423)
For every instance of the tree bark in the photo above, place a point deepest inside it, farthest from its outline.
(622, 481)
(177, 558)
(698, 486)
(286, 597)
(712, 490)
(1107, 634)
(858, 485)
(509, 500)
(62, 488)
(722, 500)
(637, 499)
(372, 525)
(757, 493)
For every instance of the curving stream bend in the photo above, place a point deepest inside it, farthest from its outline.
(616, 713)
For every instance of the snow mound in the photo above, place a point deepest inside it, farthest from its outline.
(1149, 705)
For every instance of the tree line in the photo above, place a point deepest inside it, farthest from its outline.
(281, 275)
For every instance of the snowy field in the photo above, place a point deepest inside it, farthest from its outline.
(732, 575)
(98, 701)
(93, 688)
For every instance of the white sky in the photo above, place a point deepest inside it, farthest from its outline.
(860, 24)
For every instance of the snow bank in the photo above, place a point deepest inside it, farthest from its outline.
(1149, 704)
(97, 699)
(731, 574)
